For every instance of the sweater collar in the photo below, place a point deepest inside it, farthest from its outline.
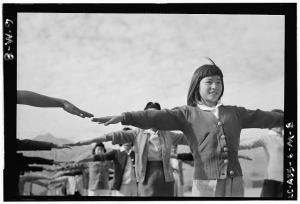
(122, 149)
(207, 108)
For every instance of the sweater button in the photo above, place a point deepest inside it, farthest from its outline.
(220, 123)
(226, 161)
(222, 136)
(225, 149)
(231, 173)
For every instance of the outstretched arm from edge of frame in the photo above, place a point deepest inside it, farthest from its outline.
(100, 139)
(31, 178)
(38, 100)
(117, 137)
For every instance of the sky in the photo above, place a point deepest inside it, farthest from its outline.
(107, 64)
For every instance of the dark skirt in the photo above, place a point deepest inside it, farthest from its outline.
(154, 183)
(272, 188)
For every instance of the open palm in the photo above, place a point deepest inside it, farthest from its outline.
(108, 119)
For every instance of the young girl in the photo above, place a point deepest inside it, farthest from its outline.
(212, 129)
(98, 174)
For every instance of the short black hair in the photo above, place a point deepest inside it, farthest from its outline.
(100, 144)
(152, 105)
(126, 128)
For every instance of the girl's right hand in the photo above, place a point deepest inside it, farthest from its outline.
(70, 108)
(109, 119)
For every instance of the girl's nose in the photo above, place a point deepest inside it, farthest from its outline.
(214, 85)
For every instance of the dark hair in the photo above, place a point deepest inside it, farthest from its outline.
(204, 71)
(100, 144)
(126, 128)
(152, 105)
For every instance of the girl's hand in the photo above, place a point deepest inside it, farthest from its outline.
(109, 119)
(70, 108)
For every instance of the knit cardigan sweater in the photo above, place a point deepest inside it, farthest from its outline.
(139, 138)
(214, 142)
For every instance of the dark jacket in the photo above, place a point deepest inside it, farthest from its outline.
(185, 156)
(23, 163)
(120, 160)
(140, 138)
(98, 175)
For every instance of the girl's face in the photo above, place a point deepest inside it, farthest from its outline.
(99, 150)
(210, 90)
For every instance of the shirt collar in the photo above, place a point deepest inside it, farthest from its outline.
(207, 108)
(122, 149)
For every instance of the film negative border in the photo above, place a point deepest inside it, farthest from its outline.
(9, 25)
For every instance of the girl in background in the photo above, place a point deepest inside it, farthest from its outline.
(272, 143)
(98, 174)
(152, 149)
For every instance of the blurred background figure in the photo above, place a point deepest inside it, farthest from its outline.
(125, 182)
(98, 174)
(272, 144)
(152, 155)
(38, 100)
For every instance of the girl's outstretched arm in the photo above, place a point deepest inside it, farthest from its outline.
(259, 119)
(118, 137)
(38, 100)
(32, 177)
(102, 138)
(175, 119)
(59, 180)
(63, 146)
(89, 158)
(31, 145)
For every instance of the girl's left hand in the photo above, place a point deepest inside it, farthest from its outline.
(109, 119)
